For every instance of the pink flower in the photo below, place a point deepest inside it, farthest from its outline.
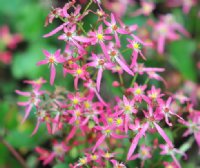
(107, 131)
(166, 150)
(114, 29)
(99, 37)
(186, 4)
(34, 100)
(136, 45)
(101, 63)
(144, 154)
(8, 39)
(115, 56)
(36, 83)
(52, 60)
(6, 57)
(146, 9)
(73, 39)
(58, 151)
(167, 28)
(166, 110)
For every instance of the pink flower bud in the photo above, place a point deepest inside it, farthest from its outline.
(115, 84)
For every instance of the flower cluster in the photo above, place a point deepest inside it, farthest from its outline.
(8, 42)
(97, 124)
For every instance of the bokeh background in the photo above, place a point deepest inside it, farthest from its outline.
(22, 22)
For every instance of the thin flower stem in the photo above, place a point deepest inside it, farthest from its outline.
(81, 27)
(88, 5)
(134, 79)
(121, 81)
(14, 153)
(147, 81)
(125, 50)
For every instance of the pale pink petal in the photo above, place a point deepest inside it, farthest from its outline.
(53, 74)
(36, 127)
(76, 82)
(124, 66)
(163, 134)
(117, 40)
(43, 62)
(103, 47)
(71, 134)
(133, 157)
(22, 93)
(136, 140)
(56, 30)
(46, 53)
(27, 112)
(57, 53)
(99, 142)
(99, 76)
(82, 39)
(161, 44)
(99, 97)
(23, 103)
(176, 161)
(49, 158)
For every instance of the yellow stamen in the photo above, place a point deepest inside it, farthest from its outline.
(138, 91)
(110, 120)
(79, 71)
(100, 37)
(75, 101)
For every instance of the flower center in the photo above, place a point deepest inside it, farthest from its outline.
(79, 71)
(100, 37)
(107, 131)
(119, 121)
(113, 53)
(51, 59)
(94, 157)
(136, 45)
(114, 27)
(68, 34)
(83, 161)
(58, 149)
(138, 91)
(75, 101)
(127, 108)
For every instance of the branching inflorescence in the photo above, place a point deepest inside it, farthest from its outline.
(84, 116)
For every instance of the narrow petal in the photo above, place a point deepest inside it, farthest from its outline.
(99, 97)
(27, 112)
(163, 134)
(82, 39)
(53, 74)
(43, 62)
(22, 93)
(103, 47)
(161, 44)
(56, 30)
(117, 40)
(36, 127)
(176, 161)
(76, 82)
(124, 66)
(71, 134)
(99, 76)
(49, 158)
(99, 142)
(136, 140)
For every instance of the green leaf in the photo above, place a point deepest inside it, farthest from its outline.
(181, 56)
(61, 165)
(24, 63)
